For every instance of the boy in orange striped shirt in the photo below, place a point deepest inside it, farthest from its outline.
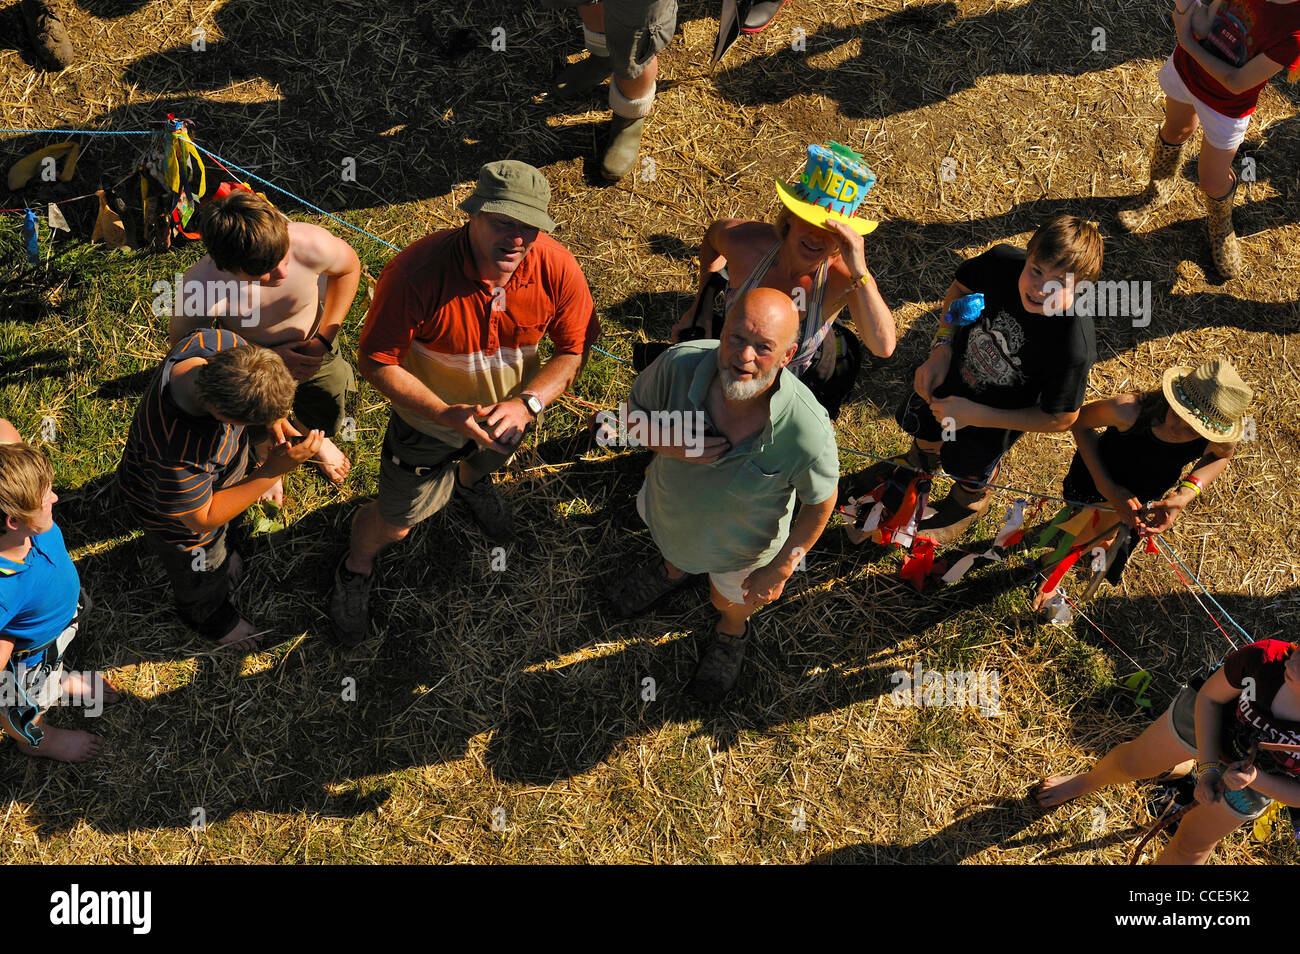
(183, 469)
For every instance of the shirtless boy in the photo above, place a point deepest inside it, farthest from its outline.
(283, 285)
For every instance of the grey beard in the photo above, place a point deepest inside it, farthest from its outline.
(735, 390)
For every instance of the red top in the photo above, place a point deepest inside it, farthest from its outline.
(466, 341)
(1260, 671)
(1242, 30)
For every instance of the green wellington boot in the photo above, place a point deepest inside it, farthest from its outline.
(624, 145)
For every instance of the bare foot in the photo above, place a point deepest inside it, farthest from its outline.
(243, 637)
(66, 745)
(275, 495)
(1058, 790)
(77, 684)
(332, 462)
(236, 571)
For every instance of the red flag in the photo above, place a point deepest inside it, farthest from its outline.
(919, 562)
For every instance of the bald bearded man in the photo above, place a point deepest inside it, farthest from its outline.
(736, 438)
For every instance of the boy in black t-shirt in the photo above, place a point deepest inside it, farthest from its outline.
(1014, 369)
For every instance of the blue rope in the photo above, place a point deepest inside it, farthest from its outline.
(608, 355)
(87, 132)
(299, 199)
(1226, 615)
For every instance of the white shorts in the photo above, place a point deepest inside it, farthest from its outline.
(727, 584)
(1221, 132)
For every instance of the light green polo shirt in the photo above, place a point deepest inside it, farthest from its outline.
(734, 513)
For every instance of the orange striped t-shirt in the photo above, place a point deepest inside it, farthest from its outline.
(173, 461)
(466, 341)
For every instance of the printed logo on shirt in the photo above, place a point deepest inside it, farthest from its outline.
(1249, 715)
(992, 350)
(1227, 38)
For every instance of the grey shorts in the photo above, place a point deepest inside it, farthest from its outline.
(422, 483)
(635, 30)
(1246, 804)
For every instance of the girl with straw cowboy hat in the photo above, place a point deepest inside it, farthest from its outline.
(814, 253)
(1136, 463)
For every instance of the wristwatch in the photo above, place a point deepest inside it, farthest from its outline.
(532, 402)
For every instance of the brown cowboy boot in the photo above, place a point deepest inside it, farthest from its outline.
(1223, 239)
(867, 480)
(955, 513)
(47, 33)
(1165, 161)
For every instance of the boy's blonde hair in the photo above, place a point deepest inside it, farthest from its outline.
(1071, 243)
(25, 477)
(248, 384)
(243, 232)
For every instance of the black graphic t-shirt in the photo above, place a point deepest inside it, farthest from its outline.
(1264, 663)
(1010, 358)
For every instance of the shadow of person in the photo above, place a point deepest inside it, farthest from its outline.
(926, 53)
(670, 246)
(567, 712)
(390, 109)
(996, 825)
(33, 365)
(301, 727)
(978, 828)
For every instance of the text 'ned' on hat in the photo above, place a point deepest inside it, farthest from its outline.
(834, 181)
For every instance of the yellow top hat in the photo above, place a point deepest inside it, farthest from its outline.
(832, 186)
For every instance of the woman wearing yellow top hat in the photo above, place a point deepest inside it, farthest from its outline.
(814, 253)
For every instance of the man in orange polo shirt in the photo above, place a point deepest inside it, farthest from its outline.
(451, 339)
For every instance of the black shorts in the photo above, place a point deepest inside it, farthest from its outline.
(972, 454)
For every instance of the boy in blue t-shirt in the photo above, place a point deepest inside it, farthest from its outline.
(39, 610)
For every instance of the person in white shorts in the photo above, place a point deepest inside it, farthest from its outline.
(1227, 51)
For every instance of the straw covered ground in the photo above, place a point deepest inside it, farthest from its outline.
(502, 715)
